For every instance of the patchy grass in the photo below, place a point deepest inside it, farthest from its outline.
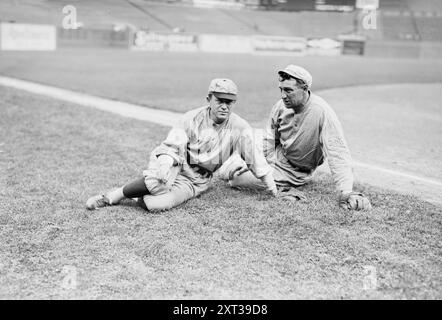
(397, 126)
(225, 244)
(178, 81)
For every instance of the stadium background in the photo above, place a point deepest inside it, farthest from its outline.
(403, 28)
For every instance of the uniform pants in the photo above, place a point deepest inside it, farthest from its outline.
(284, 173)
(184, 184)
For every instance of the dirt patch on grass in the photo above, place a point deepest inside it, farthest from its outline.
(395, 127)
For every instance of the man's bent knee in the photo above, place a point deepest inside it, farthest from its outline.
(165, 201)
(157, 203)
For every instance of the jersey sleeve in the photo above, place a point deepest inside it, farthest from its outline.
(175, 143)
(250, 149)
(337, 152)
(271, 135)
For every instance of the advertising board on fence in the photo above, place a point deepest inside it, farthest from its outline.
(323, 47)
(17, 36)
(352, 44)
(225, 43)
(266, 45)
(335, 5)
(279, 45)
(218, 4)
(152, 41)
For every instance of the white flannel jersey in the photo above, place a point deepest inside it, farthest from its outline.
(203, 143)
(306, 138)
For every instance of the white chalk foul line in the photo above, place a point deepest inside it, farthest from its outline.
(162, 117)
(398, 173)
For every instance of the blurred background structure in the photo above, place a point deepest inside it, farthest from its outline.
(408, 28)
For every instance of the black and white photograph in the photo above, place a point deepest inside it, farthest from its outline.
(220, 150)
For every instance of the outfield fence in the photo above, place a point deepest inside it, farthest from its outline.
(25, 37)
(273, 45)
(93, 38)
(15, 36)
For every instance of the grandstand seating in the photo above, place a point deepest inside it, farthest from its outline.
(430, 29)
(393, 4)
(251, 22)
(398, 19)
(399, 27)
(424, 5)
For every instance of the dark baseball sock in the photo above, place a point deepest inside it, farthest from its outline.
(135, 189)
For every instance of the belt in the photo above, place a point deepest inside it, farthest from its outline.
(301, 169)
(202, 171)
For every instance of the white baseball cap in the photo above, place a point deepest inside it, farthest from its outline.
(298, 73)
(223, 88)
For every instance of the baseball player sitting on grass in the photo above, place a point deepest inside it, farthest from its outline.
(301, 132)
(181, 167)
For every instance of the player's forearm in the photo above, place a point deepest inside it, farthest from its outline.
(337, 153)
(341, 170)
(345, 186)
(251, 152)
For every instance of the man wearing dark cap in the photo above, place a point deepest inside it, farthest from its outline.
(301, 132)
(181, 168)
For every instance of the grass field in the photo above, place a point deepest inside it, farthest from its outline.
(54, 155)
(397, 127)
(162, 79)
(225, 244)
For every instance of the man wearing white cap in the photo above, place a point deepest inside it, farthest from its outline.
(181, 168)
(301, 132)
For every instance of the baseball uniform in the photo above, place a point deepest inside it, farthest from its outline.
(295, 144)
(199, 147)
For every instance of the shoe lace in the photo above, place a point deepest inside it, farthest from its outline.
(103, 201)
